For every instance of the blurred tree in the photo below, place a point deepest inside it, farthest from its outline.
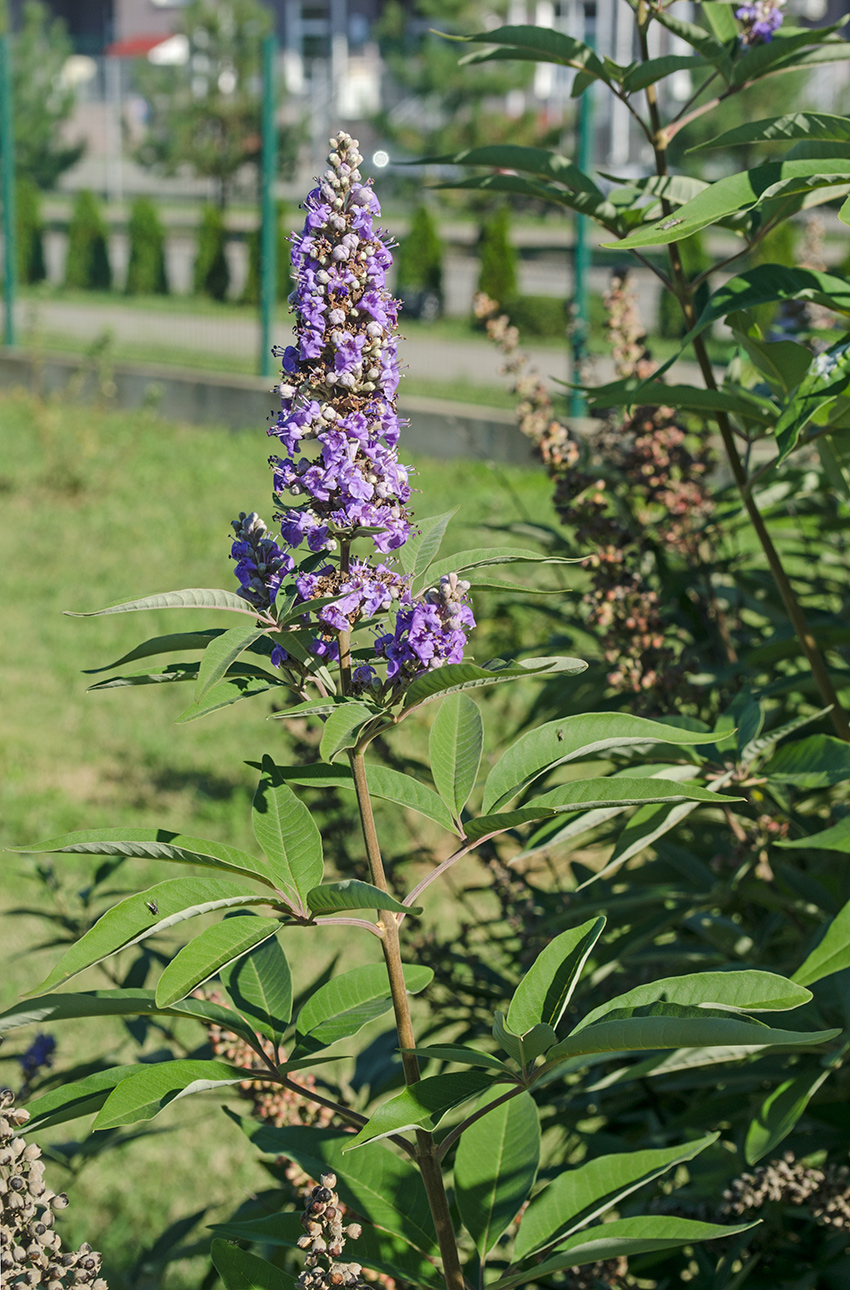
(146, 273)
(497, 276)
(206, 113)
(457, 106)
(286, 222)
(31, 266)
(212, 273)
(87, 265)
(42, 99)
(419, 263)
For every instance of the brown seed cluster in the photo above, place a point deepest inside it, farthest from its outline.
(825, 1193)
(609, 1272)
(636, 489)
(30, 1249)
(324, 1240)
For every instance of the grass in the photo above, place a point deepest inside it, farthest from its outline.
(100, 505)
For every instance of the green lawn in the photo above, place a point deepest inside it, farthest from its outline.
(101, 505)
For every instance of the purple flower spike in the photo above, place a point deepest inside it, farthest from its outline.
(341, 376)
(761, 18)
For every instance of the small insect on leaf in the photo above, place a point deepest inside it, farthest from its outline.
(670, 223)
(152, 906)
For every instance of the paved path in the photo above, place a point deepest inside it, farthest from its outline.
(445, 361)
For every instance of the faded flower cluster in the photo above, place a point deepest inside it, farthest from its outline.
(338, 476)
(760, 18)
(30, 1249)
(824, 1192)
(324, 1240)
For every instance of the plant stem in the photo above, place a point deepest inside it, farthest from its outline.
(426, 1148)
(684, 291)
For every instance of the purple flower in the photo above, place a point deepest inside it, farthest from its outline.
(260, 562)
(761, 18)
(430, 632)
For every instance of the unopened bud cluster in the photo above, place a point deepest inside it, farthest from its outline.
(825, 1192)
(260, 563)
(324, 1240)
(30, 1249)
(430, 631)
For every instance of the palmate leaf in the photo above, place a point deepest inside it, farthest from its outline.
(190, 598)
(580, 1195)
(780, 1111)
(468, 676)
(455, 744)
(207, 953)
(148, 913)
(747, 991)
(289, 835)
(562, 741)
(495, 1167)
(241, 1270)
(156, 844)
(259, 985)
(768, 284)
(421, 1105)
(382, 1186)
(546, 989)
(624, 1236)
(347, 1002)
(736, 194)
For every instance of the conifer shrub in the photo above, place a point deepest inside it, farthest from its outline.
(212, 273)
(539, 316)
(497, 276)
(251, 291)
(31, 266)
(87, 266)
(146, 271)
(419, 275)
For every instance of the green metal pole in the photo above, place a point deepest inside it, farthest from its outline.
(581, 321)
(7, 193)
(268, 230)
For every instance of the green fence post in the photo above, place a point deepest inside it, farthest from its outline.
(581, 320)
(7, 193)
(268, 230)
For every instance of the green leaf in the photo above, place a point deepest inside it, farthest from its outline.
(382, 1186)
(173, 643)
(601, 209)
(637, 1034)
(346, 1003)
(191, 598)
(384, 782)
(72, 1101)
(289, 835)
(143, 1095)
(455, 745)
(645, 827)
(351, 893)
(421, 1105)
(780, 1111)
(735, 194)
(832, 952)
(259, 985)
(815, 762)
(228, 691)
(546, 989)
(784, 52)
(343, 727)
(459, 1053)
(558, 742)
(148, 913)
(634, 392)
(578, 1196)
(747, 991)
(495, 1167)
(468, 676)
(782, 129)
(241, 1270)
(721, 20)
(836, 838)
(783, 363)
(422, 546)
(169, 673)
(621, 1238)
(697, 37)
(156, 844)
(539, 162)
(643, 74)
(487, 556)
(220, 653)
(210, 950)
(590, 794)
(818, 394)
(538, 44)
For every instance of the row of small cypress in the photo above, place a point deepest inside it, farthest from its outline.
(87, 265)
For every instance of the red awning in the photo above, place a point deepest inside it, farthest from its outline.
(135, 46)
